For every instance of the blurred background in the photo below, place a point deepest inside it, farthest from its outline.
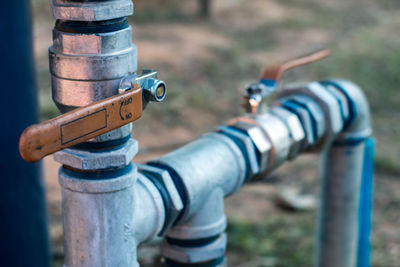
(207, 52)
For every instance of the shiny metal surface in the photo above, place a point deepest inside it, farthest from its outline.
(305, 120)
(212, 162)
(96, 226)
(91, 11)
(315, 112)
(327, 102)
(176, 205)
(279, 136)
(258, 137)
(98, 159)
(87, 68)
(247, 143)
(361, 124)
(297, 134)
(96, 67)
(98, 230)
(338, 225)
(92, 44)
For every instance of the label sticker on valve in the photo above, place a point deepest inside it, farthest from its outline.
(83, 126)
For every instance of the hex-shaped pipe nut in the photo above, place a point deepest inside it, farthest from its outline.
(246, 142)
(326, 101)
(304, 117)
(258, 137)
(91, 11)
(98, 159)
(70, 43)
(315, 111)
(172, 199)
(292, 122)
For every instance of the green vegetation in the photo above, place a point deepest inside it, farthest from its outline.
(271, 242)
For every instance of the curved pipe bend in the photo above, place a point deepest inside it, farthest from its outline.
(359, 125)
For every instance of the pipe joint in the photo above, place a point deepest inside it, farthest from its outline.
(358, 124)
(211, 163)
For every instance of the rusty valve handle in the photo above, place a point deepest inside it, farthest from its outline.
(81, 124)
(272, 74)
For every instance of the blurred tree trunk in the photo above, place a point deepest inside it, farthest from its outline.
(204, 8)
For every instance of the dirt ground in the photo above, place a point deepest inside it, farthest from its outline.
(207, 64)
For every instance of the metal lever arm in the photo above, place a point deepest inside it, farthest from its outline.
(271, 75)
(81, 124)
(275, 72)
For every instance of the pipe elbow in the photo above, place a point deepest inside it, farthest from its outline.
(358, 125)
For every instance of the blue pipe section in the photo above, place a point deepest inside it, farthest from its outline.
(365, 208)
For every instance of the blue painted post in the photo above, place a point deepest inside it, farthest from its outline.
(23, 230)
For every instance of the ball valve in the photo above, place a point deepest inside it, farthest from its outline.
(84, 123)
(270, 77)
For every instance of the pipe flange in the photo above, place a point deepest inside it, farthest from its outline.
(192, 255)
(91, 11)
(175, 205)
(292, 122)
(116, 157)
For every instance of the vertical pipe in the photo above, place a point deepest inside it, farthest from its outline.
(365, 211)
(339, 211)
(23, 231)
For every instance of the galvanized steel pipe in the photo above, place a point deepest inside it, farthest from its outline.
(110, 205)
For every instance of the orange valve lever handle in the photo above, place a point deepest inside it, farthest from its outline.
(81, 124)
(271, 76)
(275, 72)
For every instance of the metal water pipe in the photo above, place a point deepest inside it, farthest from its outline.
(111, 205)
(332, 117)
